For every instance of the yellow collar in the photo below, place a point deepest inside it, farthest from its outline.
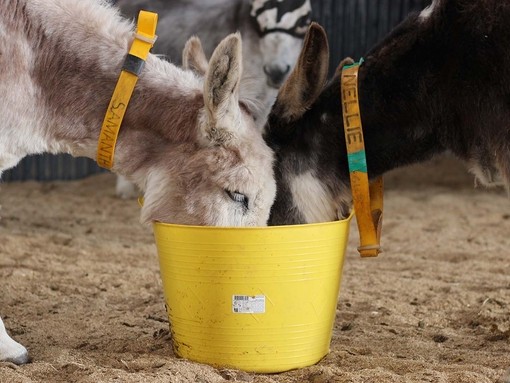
(367, 198)
(145, 37)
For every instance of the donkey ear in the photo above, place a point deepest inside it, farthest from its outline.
(193, 56)
(344, 62)
(307, 80)
(221, 89)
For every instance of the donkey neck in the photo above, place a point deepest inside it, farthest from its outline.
(397, 123)
(396, 131)
(77, 51)
(399, 100)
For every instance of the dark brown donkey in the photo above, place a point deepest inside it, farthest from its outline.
(440, 81)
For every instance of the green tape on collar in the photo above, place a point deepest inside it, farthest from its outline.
(357, 161)
(361, 61)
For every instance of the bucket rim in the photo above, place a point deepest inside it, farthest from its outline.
(253, 228)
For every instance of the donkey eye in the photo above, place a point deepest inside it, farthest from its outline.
(238, 197)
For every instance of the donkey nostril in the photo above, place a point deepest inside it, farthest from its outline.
(268, 71)
(276, 74)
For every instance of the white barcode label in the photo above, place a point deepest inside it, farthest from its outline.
(247, 304)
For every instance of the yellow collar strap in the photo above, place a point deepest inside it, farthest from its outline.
(367, 198)
(144, 39)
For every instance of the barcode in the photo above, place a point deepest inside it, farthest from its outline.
(249, 304)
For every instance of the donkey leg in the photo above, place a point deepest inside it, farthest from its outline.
(10, 350)
(126, 189)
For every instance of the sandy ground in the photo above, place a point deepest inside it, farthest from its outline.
(79, 285)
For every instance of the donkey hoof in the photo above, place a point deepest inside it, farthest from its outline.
(22, 358)
(15, 353)
(10, 350)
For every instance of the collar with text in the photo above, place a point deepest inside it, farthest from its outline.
(367, 197)
(144, 39)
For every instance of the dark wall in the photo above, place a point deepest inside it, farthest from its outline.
(353, 26)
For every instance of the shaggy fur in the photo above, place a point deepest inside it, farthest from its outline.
(439, 81)
(185, 141)
(59, 63)
(272, 51)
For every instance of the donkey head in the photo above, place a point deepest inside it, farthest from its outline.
(302, 133)
(281, 25)
(224, 175)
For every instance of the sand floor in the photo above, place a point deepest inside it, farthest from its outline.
(79, 286)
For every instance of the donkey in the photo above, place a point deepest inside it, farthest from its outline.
(272, 33)
(440, 81)
(190, 143)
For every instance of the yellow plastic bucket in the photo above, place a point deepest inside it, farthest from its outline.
(256, 299)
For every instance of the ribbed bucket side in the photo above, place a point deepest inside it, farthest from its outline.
(256, 299)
